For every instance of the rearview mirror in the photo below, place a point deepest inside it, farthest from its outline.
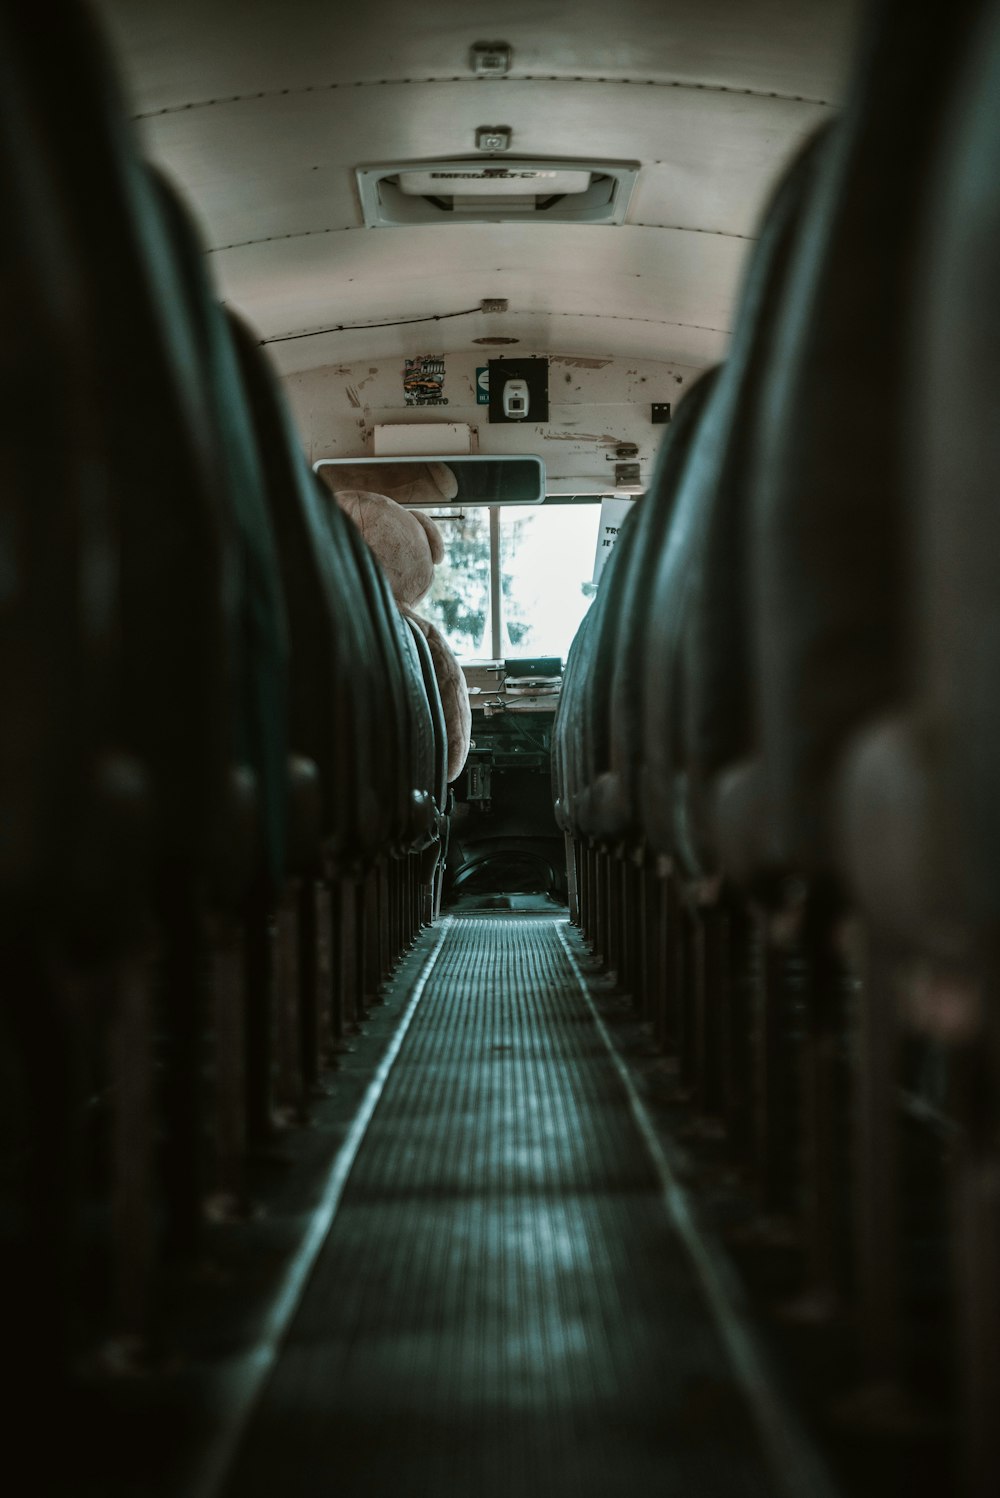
(506, 479)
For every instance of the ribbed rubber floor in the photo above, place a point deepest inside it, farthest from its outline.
(501, 1307)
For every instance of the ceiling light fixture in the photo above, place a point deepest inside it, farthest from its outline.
(490, 59)
(469, 190)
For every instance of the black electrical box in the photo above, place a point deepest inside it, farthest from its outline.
(534, 373)
(533, 665)
(660, 412)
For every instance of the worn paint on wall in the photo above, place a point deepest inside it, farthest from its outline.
(595, 406)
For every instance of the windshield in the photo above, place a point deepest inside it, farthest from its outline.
(544, 565)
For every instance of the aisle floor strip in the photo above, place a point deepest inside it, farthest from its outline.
(504, 1309)
(796, 1461)
(243, 1380)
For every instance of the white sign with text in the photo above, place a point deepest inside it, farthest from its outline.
(613, 512)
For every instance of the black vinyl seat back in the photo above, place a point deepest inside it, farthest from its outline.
(564, 724)
(955, 473)
(59, 606)
(591, 727)
(698, 662)
(570, 721)
(628, 680)
(718, 719)
(393, 750)
(375, 704)
(439, 784)
(577, 756)
(333, 677)
(669, 592)
(830, 527)
(422, 761)
(158, 460)
(260, 638)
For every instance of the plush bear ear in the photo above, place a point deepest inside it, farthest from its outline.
(443, 479)
(454, 695)
(433, 535)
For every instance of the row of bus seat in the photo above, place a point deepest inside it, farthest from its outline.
(776, 758)
(223, 783)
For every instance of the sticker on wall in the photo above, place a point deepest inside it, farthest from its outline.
(613, 512)
(483, 386)
(423, 381)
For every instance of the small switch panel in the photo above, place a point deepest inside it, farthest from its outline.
(480, 778)
(661, 413)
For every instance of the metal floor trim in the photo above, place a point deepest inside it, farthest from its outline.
(241, 1383)
(797, 1462)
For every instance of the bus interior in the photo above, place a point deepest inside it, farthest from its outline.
(500, 748)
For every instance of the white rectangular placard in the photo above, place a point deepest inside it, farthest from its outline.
(613, 512)
(415, 438)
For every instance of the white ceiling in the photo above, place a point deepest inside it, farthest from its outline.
(261, 109)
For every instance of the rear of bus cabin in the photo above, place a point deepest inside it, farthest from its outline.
(716, 895)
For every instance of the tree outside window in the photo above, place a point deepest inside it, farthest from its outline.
(545, 565)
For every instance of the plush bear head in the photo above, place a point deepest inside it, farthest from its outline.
(406, 542)
(408, 545)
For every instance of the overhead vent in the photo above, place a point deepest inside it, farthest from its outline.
(481, 191)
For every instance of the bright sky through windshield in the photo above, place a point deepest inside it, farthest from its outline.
(546, 556)
(546, 566)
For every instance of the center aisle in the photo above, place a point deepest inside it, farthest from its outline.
(502, 1306)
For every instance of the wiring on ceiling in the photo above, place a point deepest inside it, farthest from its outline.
(348, 327)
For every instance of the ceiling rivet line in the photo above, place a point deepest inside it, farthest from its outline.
(245, 244)
(314, 88)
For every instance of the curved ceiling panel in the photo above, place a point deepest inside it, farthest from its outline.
(184, 51)
(263, 167)
(262, 109)
(644, 275)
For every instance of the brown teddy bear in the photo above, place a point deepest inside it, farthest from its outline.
(408, 544)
